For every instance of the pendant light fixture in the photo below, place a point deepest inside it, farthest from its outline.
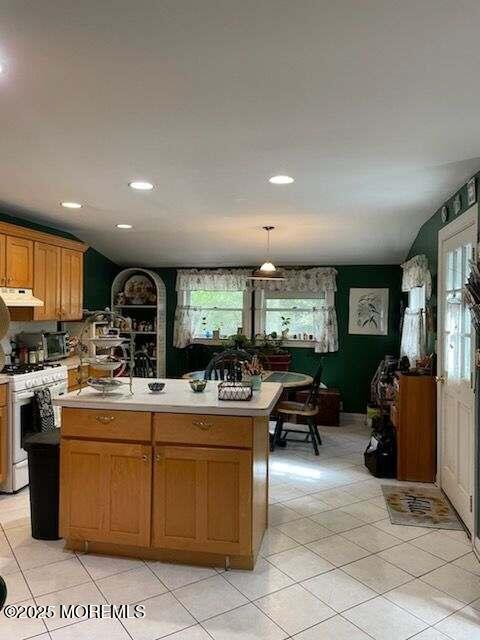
(268, 270)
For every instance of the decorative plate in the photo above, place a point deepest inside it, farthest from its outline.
(444, 213)
(457, 204)
(140, 290)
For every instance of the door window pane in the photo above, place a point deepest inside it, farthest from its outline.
(457, 321)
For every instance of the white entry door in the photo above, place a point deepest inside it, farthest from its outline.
(456, 346)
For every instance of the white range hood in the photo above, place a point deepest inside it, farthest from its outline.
(19, 297)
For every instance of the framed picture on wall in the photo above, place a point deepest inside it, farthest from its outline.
(457, 204)
(471, 191)
(368, 312)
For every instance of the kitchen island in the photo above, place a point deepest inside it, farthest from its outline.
(177, 476)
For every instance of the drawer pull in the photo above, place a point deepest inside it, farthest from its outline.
(104, 419)
(201, 424)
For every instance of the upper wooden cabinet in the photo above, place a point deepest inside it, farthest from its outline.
(71, 289)
(50, 265)
(46, 284)
(19, 262)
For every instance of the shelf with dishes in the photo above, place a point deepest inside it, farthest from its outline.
(138, 298)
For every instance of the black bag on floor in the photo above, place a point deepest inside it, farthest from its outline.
(381, 453)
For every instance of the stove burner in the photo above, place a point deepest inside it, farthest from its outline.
(18, 369)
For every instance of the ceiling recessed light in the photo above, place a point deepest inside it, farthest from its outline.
(141, 185)
(71, 205)
(124, 226)
(281, 180)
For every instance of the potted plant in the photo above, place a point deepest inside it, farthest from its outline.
(237, 341)
(271, 353)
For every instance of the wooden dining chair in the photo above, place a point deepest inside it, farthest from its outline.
(226, 364)
(307, 410)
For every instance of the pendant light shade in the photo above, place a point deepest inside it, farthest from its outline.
(268, 270)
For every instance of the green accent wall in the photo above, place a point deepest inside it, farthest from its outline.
(98, 273)
(350, 369)
(427, 238)
(98, 270)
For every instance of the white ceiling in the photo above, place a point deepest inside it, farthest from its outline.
(373, 107)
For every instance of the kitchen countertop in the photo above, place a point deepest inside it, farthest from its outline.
(3, 378)
(176, 398)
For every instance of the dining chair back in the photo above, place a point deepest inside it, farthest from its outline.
(307, 410)
(143, 366)
(227, 365)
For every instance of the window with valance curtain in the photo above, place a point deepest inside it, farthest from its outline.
(307, 283)
(417, 282)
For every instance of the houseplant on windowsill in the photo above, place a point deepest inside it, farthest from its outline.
(271, 353)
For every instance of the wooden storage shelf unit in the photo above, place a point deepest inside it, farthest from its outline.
(179, 487)
(413, 414)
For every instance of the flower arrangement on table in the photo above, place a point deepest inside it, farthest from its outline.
(254, 371)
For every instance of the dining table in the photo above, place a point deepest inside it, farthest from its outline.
(290, 380)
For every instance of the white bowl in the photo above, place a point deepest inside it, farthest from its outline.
(105, 385)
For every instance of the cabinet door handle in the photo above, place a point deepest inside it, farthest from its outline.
(201, 424)
(157, 457)
(145, 458)
(104, 419)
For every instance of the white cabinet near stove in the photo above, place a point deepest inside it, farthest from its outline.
(3, 432)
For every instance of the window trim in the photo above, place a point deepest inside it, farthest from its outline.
(260, 310)
(183, 299)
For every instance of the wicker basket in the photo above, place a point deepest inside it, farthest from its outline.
(235, 391)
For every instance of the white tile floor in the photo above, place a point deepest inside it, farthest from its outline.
(331, 566)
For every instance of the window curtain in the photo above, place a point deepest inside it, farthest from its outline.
(315, 281)
(415, 274)
(413, 335)
(187, 318)
(325, 330)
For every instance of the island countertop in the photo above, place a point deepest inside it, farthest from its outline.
(177, 397)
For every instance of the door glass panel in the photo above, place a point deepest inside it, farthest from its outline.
(457, 322)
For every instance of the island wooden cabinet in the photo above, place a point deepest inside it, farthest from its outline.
(106, 491)
(173, 486)
(201, 499)
(47, 281)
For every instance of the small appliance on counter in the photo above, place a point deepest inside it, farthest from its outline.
(45, 345)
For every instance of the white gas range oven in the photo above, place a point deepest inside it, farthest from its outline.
(23, 380)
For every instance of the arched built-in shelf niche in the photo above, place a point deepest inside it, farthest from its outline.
(144, 312)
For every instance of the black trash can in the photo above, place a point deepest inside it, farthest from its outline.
(43, 468)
